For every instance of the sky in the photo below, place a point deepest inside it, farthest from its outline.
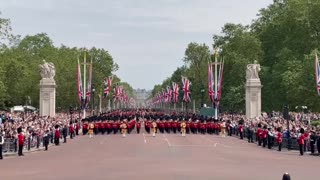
(146, 38)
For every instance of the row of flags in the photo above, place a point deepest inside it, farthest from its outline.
(119, 93)
(171, 94)
(215, 97)
(84, 99)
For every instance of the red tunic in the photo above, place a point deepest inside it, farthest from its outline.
(20, 139)
(57, 134)
(241, 128)
(301, 139)
(264, 134)
(71, 129)
(138, 125)
(279, 137)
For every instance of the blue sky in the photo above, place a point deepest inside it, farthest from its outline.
(147, 38)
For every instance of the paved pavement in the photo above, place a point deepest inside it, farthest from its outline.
(165, 157)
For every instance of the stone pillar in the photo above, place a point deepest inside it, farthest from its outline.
(47, 97)
(253, 91)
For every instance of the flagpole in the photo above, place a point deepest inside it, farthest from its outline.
(84, 84)
(216, 83)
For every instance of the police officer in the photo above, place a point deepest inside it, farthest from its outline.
(65, 133)
(313, 139)
(46, 137)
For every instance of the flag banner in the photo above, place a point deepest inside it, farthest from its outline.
(107, 85)
(88, 94)
(169, 94)
(79, 82)
(186, 89)
(175, 92)
(317, 69)
(220, 81)
(210, 83)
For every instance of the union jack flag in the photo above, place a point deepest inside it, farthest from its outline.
(210, 83)
(88, 94)
(175, 92)
(107, 85)
(220, 81)
(169, 94)
(186, 89)
(79, 82)
(317, 69)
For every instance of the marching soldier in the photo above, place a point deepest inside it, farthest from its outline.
(85, 127)
(154, 128)
(183, 128)
(90, 129)
(279, 138)
(124, 128)
(223, 129)
(301, 141)
(138, 126)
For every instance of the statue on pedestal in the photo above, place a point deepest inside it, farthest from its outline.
(47, 70)
(253, 70)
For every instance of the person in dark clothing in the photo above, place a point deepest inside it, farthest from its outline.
(313, 139)
(65, 133)
(1, 143)
(286, 176)
(46, 140)
(318, 142)
(301, 141)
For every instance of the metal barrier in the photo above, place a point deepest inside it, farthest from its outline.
(9, 145)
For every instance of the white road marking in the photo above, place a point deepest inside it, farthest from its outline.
(144, 137)
(192, 146)
(166, 139)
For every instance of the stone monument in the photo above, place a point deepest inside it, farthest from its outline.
(253, 91)
(47, 89)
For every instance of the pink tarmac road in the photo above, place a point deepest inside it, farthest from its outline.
(164, 157)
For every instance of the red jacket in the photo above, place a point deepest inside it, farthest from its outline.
(279, 137)
(21, 139)
(71, 129)
(138, 125)
(301, 139)
(57, 134)
(264, 134)
(241, 128)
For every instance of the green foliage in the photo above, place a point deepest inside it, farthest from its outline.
(283, 39)
(19, 71)
(315, 123)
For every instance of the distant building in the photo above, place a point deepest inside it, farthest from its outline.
(141, 96)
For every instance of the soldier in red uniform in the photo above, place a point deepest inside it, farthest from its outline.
(241, 130)
(77, 127)
(57, 135)
(71, 130)
(174, 125)
(96, 127)
(264, 136)
(85, 126)
(138, 126)
(21, 139)
(259, 134)
(301, 141)
(279, 138)
(102, 127)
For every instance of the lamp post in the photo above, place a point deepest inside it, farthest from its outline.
(202, 96)
(92, 106)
